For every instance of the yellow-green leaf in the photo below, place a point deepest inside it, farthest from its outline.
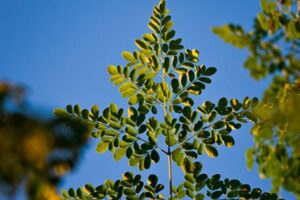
(112, 70)
(128, 56)
(211, 151)
(102, 147)
(119, 153)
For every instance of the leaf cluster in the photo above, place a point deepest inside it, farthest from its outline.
(273, 46)
(160, 81)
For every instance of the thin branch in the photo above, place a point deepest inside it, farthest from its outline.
(170, 171)
(184, 89)
(195, 134)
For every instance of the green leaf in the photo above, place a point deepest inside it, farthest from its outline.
(188, 146)
(90, 188)
(119, 153)
(132, 100)
(77, 109)
(175, 85)
(210, 71)
(141, 44)
(196, 168)
(216, 194)
(200, 196)
(234, 184)
(183, 79)
(187, 112)
(147, 162)
(219, 124)
(129, 152)
(170, 140)
(112, 70)
(72, 192)
(227, 140)
(222, 102)
(198, 126)
(129, 191)
(249, 158)
(115, 125)
(204, 80)
(154, 27)
(254, 102)
(128, 56)
(62, 113)
(102, 147)
(169, 35)
(166, 20)
(159, 188)
(149, 37)
(256, 192)
(236, 105)
(293, 29)
(65, 194)
(246, 102)
(155, 156)
(188, 185)
(268, 6)
(150, 75)
(211, 151)
(194, 90)
(69, 108)
(134, 161)
(177, 155)
(188, 65)
(191, 154)
(166, 64)
(189, 178)
(113, 108)
(152, 180)
(130, 130)
(186, 165)
(263, 21)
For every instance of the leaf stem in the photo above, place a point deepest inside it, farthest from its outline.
(193, 135)
(184, 89)
(170, 171)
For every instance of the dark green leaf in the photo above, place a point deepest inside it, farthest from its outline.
(210, 71)
(155, 156)
(152, 180)
(141, 44)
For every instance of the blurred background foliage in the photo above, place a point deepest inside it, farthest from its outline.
(274, 52)
(35, 153)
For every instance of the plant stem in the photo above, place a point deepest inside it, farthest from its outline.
(194, 134)
(170, 171)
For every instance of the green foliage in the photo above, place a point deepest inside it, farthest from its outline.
(273, 47)
(163, 78)
(34, 153)
(132, 187)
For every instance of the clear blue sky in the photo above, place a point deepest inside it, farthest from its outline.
(60, 49)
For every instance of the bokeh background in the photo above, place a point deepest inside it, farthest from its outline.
(59, 51)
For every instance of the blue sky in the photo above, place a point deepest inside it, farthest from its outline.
(59, 50)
